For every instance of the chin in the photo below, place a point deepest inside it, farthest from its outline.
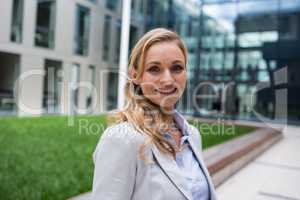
(168, 106)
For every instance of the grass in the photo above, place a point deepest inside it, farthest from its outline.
(44, 158)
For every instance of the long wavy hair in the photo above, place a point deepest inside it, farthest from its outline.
(147, 117)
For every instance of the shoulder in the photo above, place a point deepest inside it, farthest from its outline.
(193, 129)
(195, 134)
(119, 139)
(188, 126)
(120, 135)
(123, 131)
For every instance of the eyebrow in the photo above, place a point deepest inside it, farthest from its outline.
(177, 61)
(154, 62)
(158, 63)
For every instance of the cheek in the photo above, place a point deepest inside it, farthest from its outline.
(181, 80)
(148, 88)
(149, 83)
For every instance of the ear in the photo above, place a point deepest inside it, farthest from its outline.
(133, 75)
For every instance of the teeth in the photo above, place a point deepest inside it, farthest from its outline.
(167, 92)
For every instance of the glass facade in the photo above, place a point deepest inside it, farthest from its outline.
(112, 4)
(17, 21)
(138, 9)
(133, 36)
(45, 23)
(243, 47)
(82, 30)
(233, 47)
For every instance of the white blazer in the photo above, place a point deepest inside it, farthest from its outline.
(120, 174)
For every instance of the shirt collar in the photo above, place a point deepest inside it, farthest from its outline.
(182, 125)
(183, 139)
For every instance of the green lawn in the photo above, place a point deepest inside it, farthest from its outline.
(44, 158)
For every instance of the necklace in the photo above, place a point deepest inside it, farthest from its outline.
(176, 133)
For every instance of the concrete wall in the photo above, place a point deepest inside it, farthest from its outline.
(32, 60)
(5, 22)
(30, 84)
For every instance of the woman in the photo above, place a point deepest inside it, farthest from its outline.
(152, 153)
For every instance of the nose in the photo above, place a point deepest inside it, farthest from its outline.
(167, 78)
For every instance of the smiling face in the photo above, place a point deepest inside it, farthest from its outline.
(164, 77)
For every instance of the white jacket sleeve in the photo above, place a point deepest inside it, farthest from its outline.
(115, 160)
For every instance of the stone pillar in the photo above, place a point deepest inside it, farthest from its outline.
(30, 85)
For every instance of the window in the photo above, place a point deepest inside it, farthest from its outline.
(106, 37)
(118, 41)
(52, 86)
(82, 30)
(91, 79)
(133, 37)
(9, 73)
(112, 87)
(17, 21)
(75, 77)
(45, 24)
(112, 4)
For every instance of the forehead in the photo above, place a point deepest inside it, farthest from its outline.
(164, 51)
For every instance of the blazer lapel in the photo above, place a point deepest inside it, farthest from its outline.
(202, 165)
(172, 171)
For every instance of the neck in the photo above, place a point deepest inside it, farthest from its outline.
(169, 118)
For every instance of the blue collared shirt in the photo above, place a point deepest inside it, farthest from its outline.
(189, 166)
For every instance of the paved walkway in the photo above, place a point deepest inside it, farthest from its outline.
(274, 175)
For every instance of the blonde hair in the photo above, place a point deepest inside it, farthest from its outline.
(145, 116)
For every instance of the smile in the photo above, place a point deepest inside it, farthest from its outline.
(167, 92)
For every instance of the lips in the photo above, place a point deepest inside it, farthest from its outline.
(167, 92)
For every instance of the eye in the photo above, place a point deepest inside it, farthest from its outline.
(177, 68)
(153, 69)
